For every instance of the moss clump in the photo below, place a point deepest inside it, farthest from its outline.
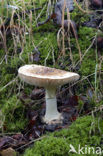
(83, 131)
(52, 146)
(78, 16)
(14, 113)
(88, 64)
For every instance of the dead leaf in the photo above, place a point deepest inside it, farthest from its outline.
(8, 152)
(37, 94)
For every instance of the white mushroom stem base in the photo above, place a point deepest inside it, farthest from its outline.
(52, 115)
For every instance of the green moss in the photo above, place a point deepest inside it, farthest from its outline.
(78, 16)
(83, 131)
(87, 66)
(14, 113)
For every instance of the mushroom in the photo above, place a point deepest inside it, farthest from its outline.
(50, 79)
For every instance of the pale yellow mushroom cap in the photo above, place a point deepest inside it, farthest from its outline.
(44, 76)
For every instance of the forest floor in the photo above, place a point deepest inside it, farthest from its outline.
(23, 41)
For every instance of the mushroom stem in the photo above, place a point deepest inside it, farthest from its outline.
(51, 106)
